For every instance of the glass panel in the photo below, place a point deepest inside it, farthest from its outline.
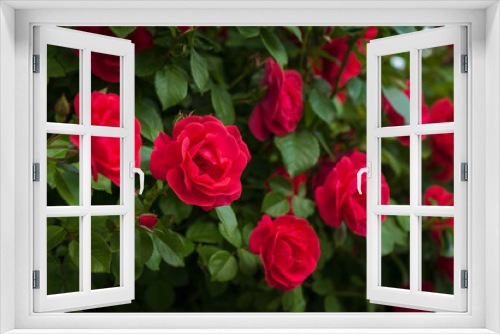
(106, 170)
(395, 77)
(105, 87)
(395, 157)
(63, 170)
(105, 251)
(63, 84)
(437, 84)
(395, 241)
(63, 255)
(437, 254)
(437, 169)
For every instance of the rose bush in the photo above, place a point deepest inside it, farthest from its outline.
(442, 144)
(289, 249)
(202, 161)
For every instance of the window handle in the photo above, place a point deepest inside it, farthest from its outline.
(368, 171)
(141, 175)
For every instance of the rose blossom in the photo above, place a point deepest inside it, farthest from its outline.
(297, 182)
(202, 161)
(105, 155)
(338, 198)
(107, 67)
(436, 195)
(442, 144)
(445, 265)
(325, 167)
(148, 220)
(289, 249)
(395, 119)
(281, 109)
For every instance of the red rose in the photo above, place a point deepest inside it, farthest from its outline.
(325, 167)
(148, 221)
(338, 198)
(445, 265)
(281, 109)
(105, 158)
(442, 144)
(297, 182)
(107, 67)
(395, 119)
(426, 286)
(202, 161)
(289, 249)
(337, 48)
(436, 195)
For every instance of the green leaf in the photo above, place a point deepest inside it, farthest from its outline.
(234, 239)
(74, 252)
(294, 301)
(296, 31)
(68, 185)
(171, 247)
(222, 104)
(281, 184)
(248, 32)
(62, 109)
(248, 261)
(391, 235)
(302, 207)
(203, 232)
(340, 235)
(171, 86)
(148, 61)
(246, 232)
(143, 246)
(403, 29)
(322, 286)
(228, 218)
(275, 204)
(206, 252)
(154, 261)
(274, 46)
(222, 266)
(446, 244)
(55, 235)
(332, 304)
(54, 68)
(103, 183)
(171, 205)
(147, 114)
(322, 106)
(399, 101)
(356, 89)
(299, 150)
(199, 70)
(100, 261)
(122, 32)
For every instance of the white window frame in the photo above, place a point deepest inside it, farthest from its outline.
(86, 43)
(483, 21)
(413, 44)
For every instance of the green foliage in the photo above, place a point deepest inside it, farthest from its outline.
(171, 86)
(122, 32)
(299, 151)
(275, 204)
(223, 104)
(223, 266)
(274, 46)
(228, 218)
(171, 247)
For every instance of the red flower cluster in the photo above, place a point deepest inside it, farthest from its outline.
(281, 109)
(289, 249)
(105, 156)
(442, 144)
(338, 198)
(202, 161)
(338, 48)
(436, 195)
(107, 67)
(148, 221)
(297, 182)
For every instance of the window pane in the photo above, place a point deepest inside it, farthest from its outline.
(437, 84)
(395, 157)
(63, 255)
(105, 251)
(395, 242)
(437, 169)
(395, 76)
(105, 87)
(63, 84)
(63, 170)
(106, 169)
(437, 254)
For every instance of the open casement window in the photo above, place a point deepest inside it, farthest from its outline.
(424, 215)
(68, 157)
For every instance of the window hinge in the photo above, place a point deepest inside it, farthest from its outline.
(464, 171)
(465, 64)
(36, 63)
(36, 279)
(36, 172)
(464, 279)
